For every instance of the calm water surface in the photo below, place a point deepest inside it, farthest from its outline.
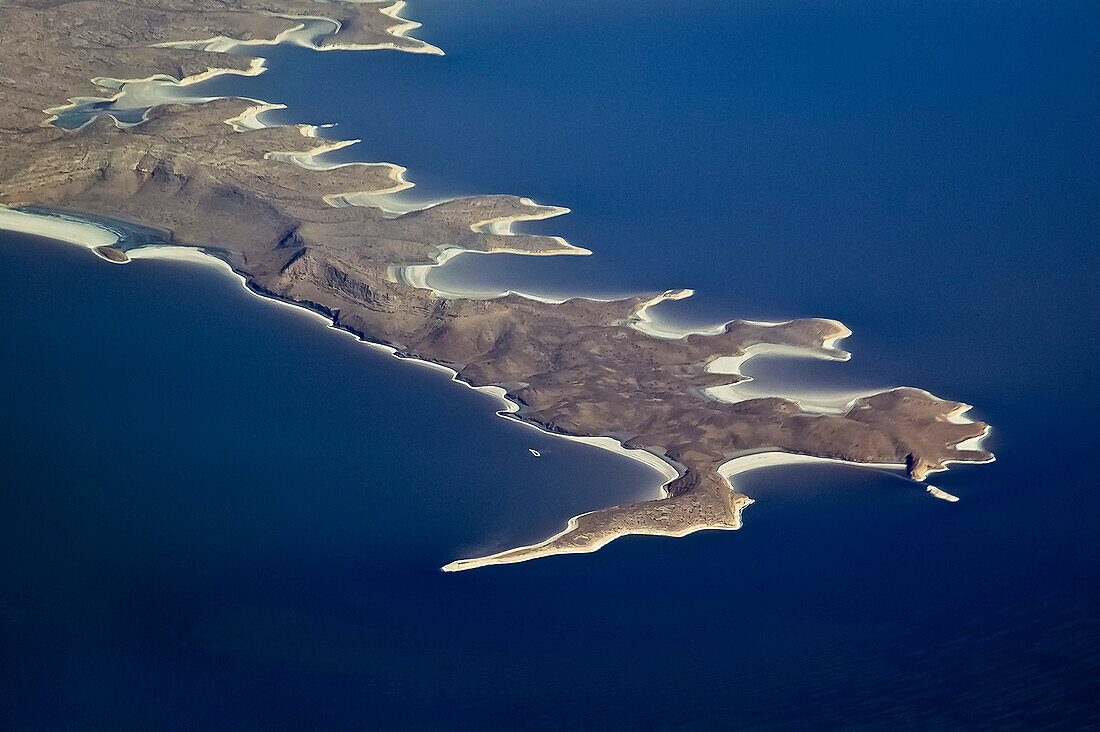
(924, 172)
(217, 512)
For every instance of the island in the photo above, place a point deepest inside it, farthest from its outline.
(215, 176)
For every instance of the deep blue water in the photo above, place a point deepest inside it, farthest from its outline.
(924, 172)
(217, 512)
(200, 527)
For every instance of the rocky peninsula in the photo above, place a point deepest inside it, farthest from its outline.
(263, 198)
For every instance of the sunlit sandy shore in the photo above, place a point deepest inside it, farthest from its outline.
(145, 93)
(309, 28)
(98, 238)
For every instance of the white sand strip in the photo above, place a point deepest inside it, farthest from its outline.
(815, 402)
(757, 461)
(387, 200)
(252, 118)
(649, 322)
(85, 234)
(158, 89)
(148, 92)
(417, 275)
(941, 494)
(503, 225)
(646, 322)
(309, 28)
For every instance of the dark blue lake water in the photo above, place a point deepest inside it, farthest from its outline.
(218, 512)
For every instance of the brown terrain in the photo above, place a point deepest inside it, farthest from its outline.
(575, 367)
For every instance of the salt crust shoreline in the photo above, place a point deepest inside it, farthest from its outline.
(157, 81)
(303, 35)
(90, 235)
(300, 34)
(68, 229)
(736, 466)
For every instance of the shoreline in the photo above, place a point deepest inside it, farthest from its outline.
(500, 558)
(71, 231)
(728, 470)
(250, 120)
(813, 402)
(257, 66)
(387, 199)
(418, 275)
(294, 36)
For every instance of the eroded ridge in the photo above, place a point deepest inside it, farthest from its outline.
(214, 175)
